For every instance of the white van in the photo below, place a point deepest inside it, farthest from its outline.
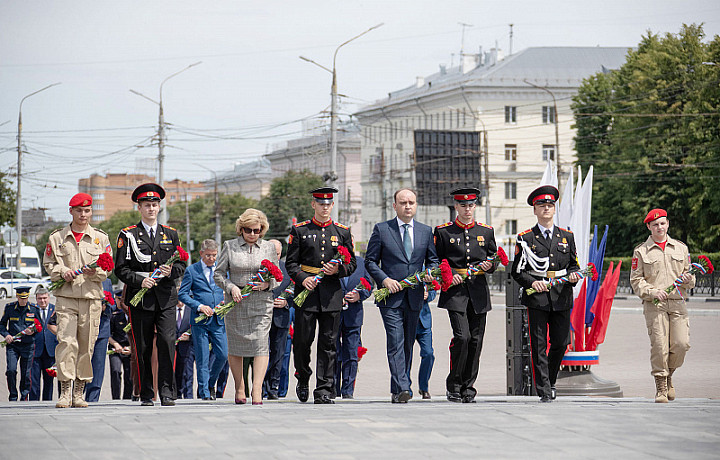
(30, 263)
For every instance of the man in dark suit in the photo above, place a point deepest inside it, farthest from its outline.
(398, 248)
(312, 245)
(278, 331)
(141, 249)
(542, 253)
(99, 357)
(45, 343)
(351, 321)
(200, 294)
(465, 243)
(184, 355)
(120, 371)
(423, 336)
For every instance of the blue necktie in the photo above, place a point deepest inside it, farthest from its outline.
(407, 242)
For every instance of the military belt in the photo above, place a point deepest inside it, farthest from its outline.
(310, 269)
(549, 274)
(463, 271)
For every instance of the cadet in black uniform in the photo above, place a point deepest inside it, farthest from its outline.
(464, 243)
(312, 244)
(542, 253)
(19, 316)
(141, 249)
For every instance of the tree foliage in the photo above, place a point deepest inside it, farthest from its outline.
(289, 198)
(652, 131)
(7, 201)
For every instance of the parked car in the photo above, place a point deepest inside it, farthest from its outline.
(8, 284)
(30, 262)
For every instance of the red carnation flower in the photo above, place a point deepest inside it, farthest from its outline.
(503, 257)
(436, 286)
(344, 254)
(274, 271)
(105, 261)
(291, 332)
(365, 284)
(593, 272)
(446, 275)
(51, 372)
(361, 352)
(184, 256)
(707, 265)
(38, 325)
(109, 298)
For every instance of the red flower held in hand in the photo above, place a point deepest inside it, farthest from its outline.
(184, 256)
(344, 254)
(593, 272)
(436, 286)
(707, 265)
(51, 372)
(365, 284)
(361, 352)
(105, 261)
(109, 298)
(446, 275)
(503, 257)
(38, 325)
(274, 271)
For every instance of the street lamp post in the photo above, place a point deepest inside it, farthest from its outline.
(163, 216)
(18, 209)
(555, 119)
(332, 174)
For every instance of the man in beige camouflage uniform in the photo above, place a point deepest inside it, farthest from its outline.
(79, 300)
(656, 264)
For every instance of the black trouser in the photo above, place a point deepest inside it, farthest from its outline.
(144, 325)
(120, 376)
(547, 364)
(328, 323)
(468, 332)
(278, 343)
(25, 353)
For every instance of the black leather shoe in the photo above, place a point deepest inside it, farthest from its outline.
(468, 399)
(272, 395)
(404, 396)
(545, 399)
(425, 395)
(147, 402)
(324, 399)
(212, 394)
(207, 398)
(553, 393)
(347, 397)
(454, 397)
(302, 392)
(165, 401)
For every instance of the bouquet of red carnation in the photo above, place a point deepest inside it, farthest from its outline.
(590, 271)
(267, 270)
(703, 265)
(363, 285)
(35, 327)
(501, 256)
(51, 371)
(179, 254)
(434, 286)
(109, 299)
(105, 261)
(342, 256)
(361, 352)
(443, 271)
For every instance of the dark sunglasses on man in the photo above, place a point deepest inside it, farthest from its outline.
(252, 230)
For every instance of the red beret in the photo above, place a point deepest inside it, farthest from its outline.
(81, 199)
(655, 214)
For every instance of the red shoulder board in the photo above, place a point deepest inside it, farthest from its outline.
(342, 226)
(526, 231)
(167, 226)
(484, 225)
(446, 224)
(565, 229)
(129, 228)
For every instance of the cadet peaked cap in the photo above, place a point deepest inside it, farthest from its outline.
(324, 195)
(544, 194)
(148, 192)
(22, 292)
(655, 214)
(81, 199)
(466, 194)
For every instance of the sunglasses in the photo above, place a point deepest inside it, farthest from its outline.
(252, 230)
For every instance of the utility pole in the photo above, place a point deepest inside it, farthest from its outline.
(18, 207)
(511, 38)
(555, 119)
(218, 234)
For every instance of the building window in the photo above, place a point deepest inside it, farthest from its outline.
(510, 114)
(510, 152)
(548, 114)
(548, 152)
(511, 227)
(98, 217)
(98, 196)
(98, 206)
(510, 190)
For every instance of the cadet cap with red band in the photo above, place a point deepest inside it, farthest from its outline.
(81, 199)
(324, 195)
(466, 195)
(148, 192)
(655, 214)
(544, 194)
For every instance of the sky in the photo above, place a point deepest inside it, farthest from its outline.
(251, 90)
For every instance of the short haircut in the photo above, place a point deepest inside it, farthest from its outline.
(252, 216)
(403, 189)
(209, 245)
(41, 290)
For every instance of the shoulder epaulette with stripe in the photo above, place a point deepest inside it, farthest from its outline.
(55, 231)
(100, 230)
(446, 224)
(167, 226)
(129, 228)
(565, 229)
(526, 231)
(342, 226)
(300, 224)
(484, 225)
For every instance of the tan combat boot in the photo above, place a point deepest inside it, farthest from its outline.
(661, 385)
(670, 387)
(65, 398)
(78, 394)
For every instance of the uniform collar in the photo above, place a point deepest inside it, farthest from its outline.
(321, 224)
(243, 243)
(67, 231)
(651, 242)
(464, 226)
